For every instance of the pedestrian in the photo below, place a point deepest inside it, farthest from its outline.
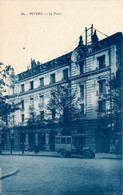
(11, 146)
(0, 148)
(117, 147)
(36, 149)
(22, 147)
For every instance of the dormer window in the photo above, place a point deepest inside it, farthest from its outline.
(52, 78)
(42, 82)
(22, 88)
(101, 61)
(31, 85)
(65, 74)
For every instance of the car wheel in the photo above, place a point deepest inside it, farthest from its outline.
(68, 154)
(86, 154)
(92, 154)
(63, 153)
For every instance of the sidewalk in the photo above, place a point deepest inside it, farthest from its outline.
(55, 154)
(7, 170)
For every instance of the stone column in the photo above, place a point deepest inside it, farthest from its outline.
(0, 138)
(16, 140)
(36, 139)
(26, 141)
(47, 146)
(7, 143)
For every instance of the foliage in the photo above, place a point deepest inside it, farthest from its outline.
(113, 115)
(65, 104)
(34, 121)
(5, 107)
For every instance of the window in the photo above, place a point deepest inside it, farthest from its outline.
(102, 106)
(42, 115)
(101, 61)
(31, 85)
(65, 114)
(66, 92)
(22, 88)
(22, 104)
(53, 113)
(42, 82)
(53, 95)
(32, 102)
(81, 67)
(22, 118)
(82, 109)
(13, 118)
(65, 74)
(31, 115)
(101, 86)
(52, 78)
(13, 90)
(42, 100)
(82, 91)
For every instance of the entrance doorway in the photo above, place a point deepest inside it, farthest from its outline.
(52, 140)
(41, 141)
(102, 140)
(31, 141)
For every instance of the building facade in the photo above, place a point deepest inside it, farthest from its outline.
(88, 68)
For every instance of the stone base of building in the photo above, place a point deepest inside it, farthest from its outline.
(99, 140)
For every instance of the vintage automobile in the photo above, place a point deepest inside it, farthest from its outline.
(67, 145)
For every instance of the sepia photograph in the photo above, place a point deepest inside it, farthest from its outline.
(61, 97)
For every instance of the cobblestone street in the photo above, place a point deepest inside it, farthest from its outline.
(57, 176)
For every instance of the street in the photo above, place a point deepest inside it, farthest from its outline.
(62, 176)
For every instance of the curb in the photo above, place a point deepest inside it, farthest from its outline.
(41, 155)
(56, 156)
(9, 174)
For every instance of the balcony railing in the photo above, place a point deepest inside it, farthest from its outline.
(31, 107)
(103, 95)
(40, 105)
(22, 123)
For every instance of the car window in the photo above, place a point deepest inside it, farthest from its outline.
(63, 140)
(68, 140)
(58, 140)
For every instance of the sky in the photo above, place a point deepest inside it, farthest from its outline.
(55, 30)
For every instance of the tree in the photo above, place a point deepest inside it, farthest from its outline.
(63, 108)
(111, 118)
(5, 107)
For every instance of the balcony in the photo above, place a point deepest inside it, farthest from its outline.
(31, 107)
(102, 95)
